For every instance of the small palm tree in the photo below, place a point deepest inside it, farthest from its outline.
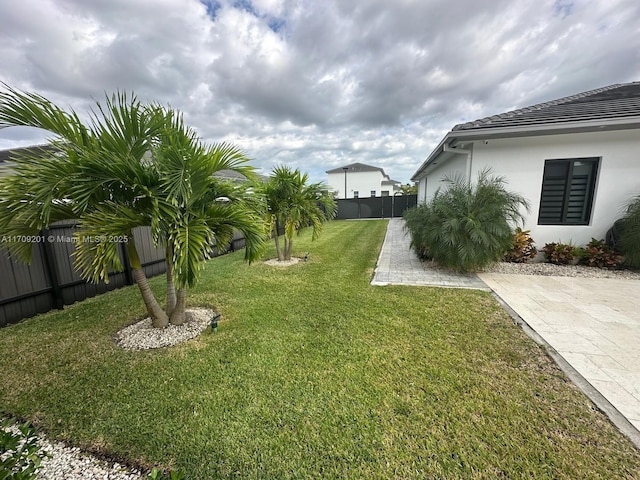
(199, 210)
(293, 205)
(134, 165)
(92, 170)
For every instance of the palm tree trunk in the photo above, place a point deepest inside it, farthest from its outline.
(171, 288)
(289, 249)
(178, 316)
(277, 239)
(159, 318)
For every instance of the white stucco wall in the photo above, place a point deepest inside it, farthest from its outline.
(362, 182)
(521, 161)
(456, 164)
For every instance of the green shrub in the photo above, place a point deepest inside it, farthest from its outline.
(416, 220)
(598, 254)
(20, 454)
(629, 242)
(561, 253)
(522, 249)
(466, 226)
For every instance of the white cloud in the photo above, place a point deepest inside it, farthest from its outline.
(319, 84)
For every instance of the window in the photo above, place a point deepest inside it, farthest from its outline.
(567, 191)
(356, 194)
(385, 193)
(373, 193)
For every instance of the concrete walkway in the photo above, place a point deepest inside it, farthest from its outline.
(591, 327)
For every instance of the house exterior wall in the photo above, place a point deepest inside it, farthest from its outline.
(362, 182)
(455, 165)
(521, 161)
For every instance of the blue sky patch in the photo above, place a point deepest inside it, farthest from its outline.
(212, 7)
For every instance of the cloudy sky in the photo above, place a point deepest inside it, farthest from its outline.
(318, 84)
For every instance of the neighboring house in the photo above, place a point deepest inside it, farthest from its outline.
(361, 181)
(6, 156)
(575, 159)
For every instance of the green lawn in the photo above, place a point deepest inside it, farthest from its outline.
(313, 373)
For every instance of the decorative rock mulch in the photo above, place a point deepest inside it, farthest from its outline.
(142, 335)
(549, 269)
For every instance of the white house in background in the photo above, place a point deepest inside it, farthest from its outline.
(575, 159)
(361, 181)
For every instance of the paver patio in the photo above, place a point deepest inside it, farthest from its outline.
(593, 323)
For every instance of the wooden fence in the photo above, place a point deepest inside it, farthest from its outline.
(50, 280)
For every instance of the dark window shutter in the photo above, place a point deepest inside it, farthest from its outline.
(567, 191)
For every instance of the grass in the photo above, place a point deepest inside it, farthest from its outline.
(313, 373)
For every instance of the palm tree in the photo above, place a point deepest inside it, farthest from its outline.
(293, 205)
(116, 174)
(466, 226)
(409, 189)
(199, 210)
(92, 171)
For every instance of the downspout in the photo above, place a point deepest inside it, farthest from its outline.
(460, 151)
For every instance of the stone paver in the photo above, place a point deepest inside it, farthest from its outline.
(399, 265)
(591, 326)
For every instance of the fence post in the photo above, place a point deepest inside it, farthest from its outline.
(51, 270)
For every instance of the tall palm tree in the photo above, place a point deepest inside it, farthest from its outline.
(132, 165)
(293, 205)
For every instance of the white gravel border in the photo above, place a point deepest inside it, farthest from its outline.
(70, 463)
(142, 335)
(549, 269)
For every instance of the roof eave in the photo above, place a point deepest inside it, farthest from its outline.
(488, 133)
(432, 157)
(585, 126)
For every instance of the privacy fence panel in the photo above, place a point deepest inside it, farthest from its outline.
(50, 280)
(375, 207)
(24, 289)
(400, 204)
(348, 209)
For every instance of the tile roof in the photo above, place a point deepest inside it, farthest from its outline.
(362, 167)
(613, 102)
(616, 107)
(357, 167)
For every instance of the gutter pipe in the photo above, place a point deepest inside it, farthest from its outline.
(460, 151)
